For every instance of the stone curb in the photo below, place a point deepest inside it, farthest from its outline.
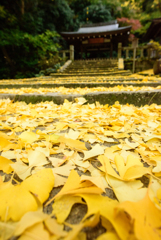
(137, 98)
(81, 85)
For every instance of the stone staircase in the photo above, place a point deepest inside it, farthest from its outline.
(88, 74)
(92, 67)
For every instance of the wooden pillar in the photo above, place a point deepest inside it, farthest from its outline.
(111, 50)
(134, 59)
(134, 45)
(127, 53)
(72, 52)
(64, 55)
(119, 50)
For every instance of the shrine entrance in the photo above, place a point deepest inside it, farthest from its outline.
(97, 40)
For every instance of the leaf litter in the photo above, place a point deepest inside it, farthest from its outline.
(80, 171)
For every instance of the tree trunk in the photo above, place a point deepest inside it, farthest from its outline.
(22, 7)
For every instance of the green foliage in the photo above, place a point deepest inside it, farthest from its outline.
(28, 34)
(97, 13)
(24, 51)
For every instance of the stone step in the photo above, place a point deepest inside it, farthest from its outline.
(79, 84)
(138, 98)
(123, 72)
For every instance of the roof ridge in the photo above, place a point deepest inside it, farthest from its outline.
(99, 24)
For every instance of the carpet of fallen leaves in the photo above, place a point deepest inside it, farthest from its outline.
(134, 78)
(86, 90)
(105, 160)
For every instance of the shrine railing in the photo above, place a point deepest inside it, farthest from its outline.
(67, 54)
(145, 52)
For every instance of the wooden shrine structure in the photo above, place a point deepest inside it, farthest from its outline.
(98, 37)
(154, 31)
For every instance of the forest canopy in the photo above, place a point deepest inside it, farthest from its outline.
(29, 30)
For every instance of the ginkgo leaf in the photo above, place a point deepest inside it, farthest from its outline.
(59, 180)
(95, 180)
(7, 230)
(127, 191)
(54, 227)
(95, 151)
(64, 170)
(36, 231)
(4, 143)
(28, 137)
(62, 207)
(131, 170)
(28, 220)
(9, 154)
(146, 218)
(154, 192)
(35, 159)
(72, 134)
(73, 185)
(108, 236)
(80, 100)
(74, 144)
(17, 200)
(5, 165)
(105, 206)
(76, 229)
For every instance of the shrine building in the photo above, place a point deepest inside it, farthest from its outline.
(99, 37)
(154, 31)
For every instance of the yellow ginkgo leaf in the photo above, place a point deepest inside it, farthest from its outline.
(154, 192)
(106, 207)
(17, 200)
(74, 144)
(28, 137)
(146, 218)
(95, 151)
(28, 220)
(132, 169)
(62, 206)
(108, 236)
(5, 165)
(127, 191)
(35, 159)
(4, 143)
(96, 180)
(54, 227)
(73, 185)
(36, 231)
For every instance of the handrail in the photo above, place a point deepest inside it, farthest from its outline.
(70, 51)
(150, 52)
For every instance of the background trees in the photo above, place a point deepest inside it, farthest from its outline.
(29, 29)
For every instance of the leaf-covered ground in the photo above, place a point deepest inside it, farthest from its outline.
(80, 171)
(135, 78)
(63, 90)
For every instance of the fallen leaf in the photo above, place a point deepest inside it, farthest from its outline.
(5, 165)
(127, 191)
(28, 137)
(35, 159)
(73, 186)
(36, 231)
(62, 206)
(74, 144)
(18, 200)
(146, 218)
(108, 236)
(95, 151)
